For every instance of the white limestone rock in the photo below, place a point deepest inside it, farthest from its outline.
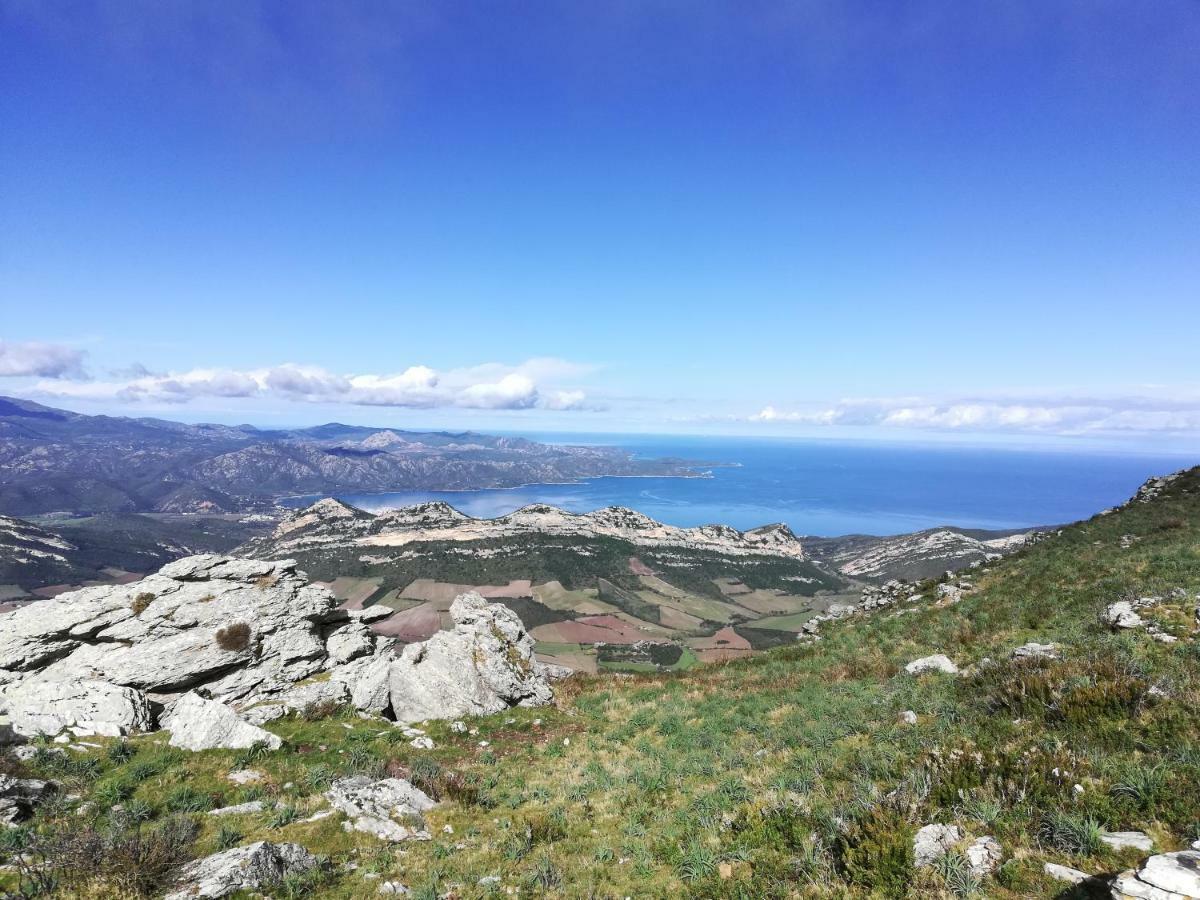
(984, 855)
(253, 806)
(390, 809)
(298, 699)
(349, 642)
(484, 665)
(369, 683)
(1165, 876)
(932, 842)
(199, 724)
(1126, 840)
(246, 868)
(161, 634)
(1121, 615)
(939, 662)
(1034, 650)
(41, 706)
(1065, 873)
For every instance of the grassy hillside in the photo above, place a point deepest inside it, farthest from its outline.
(787, 774)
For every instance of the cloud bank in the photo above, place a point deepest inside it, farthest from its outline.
(490, 387)
(1058, 416)
(34, 358)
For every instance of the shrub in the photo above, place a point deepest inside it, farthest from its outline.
(234, 638)
(79, 859)
(876, 853)
(141, 601)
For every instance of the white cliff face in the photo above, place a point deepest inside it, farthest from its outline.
(325, 525)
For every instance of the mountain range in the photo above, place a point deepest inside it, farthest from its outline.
(54, 460)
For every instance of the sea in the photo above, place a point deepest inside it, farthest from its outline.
(830, 488)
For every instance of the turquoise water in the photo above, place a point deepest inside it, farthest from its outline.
(826, 488)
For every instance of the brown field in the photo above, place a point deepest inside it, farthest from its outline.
(637, 567)
(592, 630)
(353, 591)
(442, 591)
(417, 624)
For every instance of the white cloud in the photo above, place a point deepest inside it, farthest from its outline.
(34, 358)
(491, 386)
(1064, 416)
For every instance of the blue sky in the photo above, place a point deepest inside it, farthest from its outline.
(929, 218)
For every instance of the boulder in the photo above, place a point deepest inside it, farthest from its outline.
(1166, 876)
(390, 809)
(199, 724)
(908, 717)
(939, 662)
(984, 855)
(933, 842)
(246, 868)
(1121, 615)
(369, 682)
(40, 706)
(350, 641)
(484, 665)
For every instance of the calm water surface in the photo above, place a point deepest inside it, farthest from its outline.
(826, 488)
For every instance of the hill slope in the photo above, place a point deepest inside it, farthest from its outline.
(787, 774)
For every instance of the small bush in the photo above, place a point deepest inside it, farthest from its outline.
(141, 601)
(1072, 833)
(80, 859)
(876, 853)
(233, 638)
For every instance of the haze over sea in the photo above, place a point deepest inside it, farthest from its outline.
(826, 488)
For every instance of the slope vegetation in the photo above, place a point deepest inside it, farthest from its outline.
(793, 773)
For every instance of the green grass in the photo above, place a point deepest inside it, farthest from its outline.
(785, 774)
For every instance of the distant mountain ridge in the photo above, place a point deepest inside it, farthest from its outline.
(53, 459)
(331, 522)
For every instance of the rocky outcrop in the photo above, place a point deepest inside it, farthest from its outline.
(246, 868)
(19, 796)
(390, 809)
(1166, 876)
(242, 631)
(85, 705)
(227, 644)
(483, 665)
(199, 724)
